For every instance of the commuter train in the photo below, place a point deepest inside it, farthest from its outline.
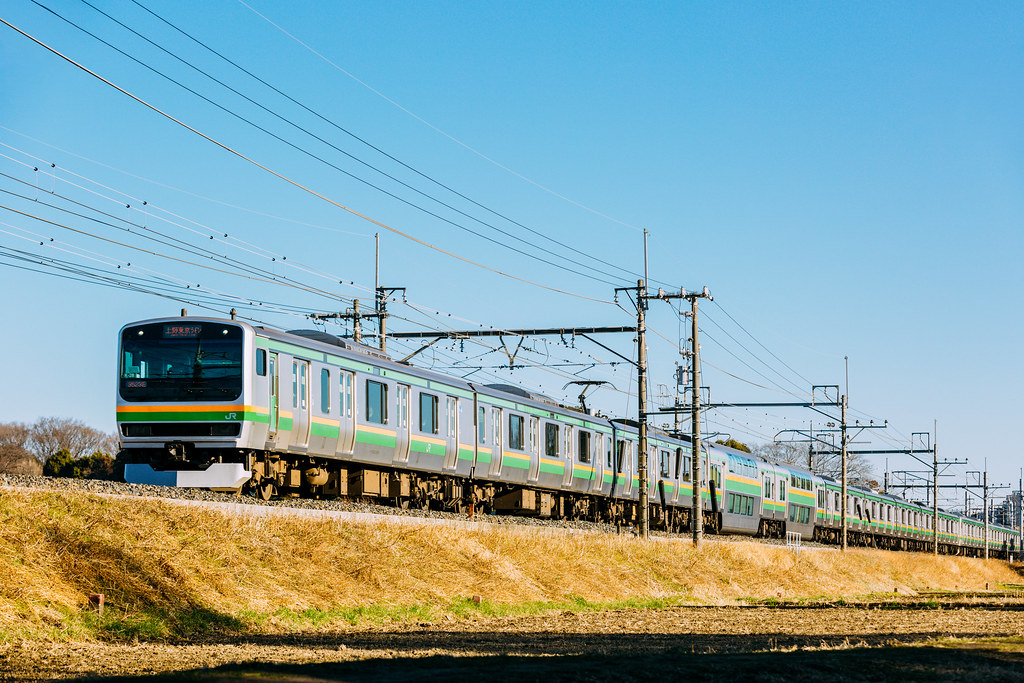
(225, 405)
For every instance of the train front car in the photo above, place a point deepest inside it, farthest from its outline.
(182, 408)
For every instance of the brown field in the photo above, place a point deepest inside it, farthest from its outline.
(188, 589)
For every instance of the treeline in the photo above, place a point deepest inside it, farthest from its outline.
(57, 447)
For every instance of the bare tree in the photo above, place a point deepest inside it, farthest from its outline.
(52, 434)
(14, 454)
(823, 460)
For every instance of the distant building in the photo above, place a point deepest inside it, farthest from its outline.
(1008, 513)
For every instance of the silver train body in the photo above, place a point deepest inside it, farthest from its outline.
(221, 404)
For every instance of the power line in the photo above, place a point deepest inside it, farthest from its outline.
(430, 125)
(294, 183)
(324, 161)
(381, 151)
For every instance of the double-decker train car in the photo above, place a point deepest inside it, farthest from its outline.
(221, 404)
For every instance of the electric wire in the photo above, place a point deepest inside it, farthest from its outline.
(596, 360)
(211, 233)
(294, 183)
(381, 151)
(324, 161)
(435, 128)
(174, 188)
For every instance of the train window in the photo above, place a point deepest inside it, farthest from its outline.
(346, 389)
(302, 386)
(402, 404)
(295, 384)
(551, 440)
(261, 362)
(664, 467)
(584, 446)
(782, 489)
(620, 454)
(515, 432)
(452, 412)
(428, 413)
(325, 391)
(481, 425)
(376, 402)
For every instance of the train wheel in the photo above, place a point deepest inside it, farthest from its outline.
(265, 489)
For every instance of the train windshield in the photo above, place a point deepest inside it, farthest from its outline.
(181, 361)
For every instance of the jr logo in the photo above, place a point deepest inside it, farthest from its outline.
(230, 416)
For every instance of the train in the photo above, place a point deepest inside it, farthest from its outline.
(229, 406)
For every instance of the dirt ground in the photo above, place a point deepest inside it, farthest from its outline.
(864, 643)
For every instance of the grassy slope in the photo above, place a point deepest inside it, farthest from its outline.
(174, 571)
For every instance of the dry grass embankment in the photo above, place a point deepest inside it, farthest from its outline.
(173, 571)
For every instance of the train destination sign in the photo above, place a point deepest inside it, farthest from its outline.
(182, 331)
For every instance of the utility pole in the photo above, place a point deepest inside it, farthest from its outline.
(985, 507)
(697, 506)
(935, 489)
(843, 446)
(841, 402)
(641, 330)
(356, 315)
(642, 299)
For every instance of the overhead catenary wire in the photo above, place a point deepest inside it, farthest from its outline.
(386, 154)
(332, 165)
(145, 208)
(295, 183)
(595, 360)
(430, 125)
(213, 200)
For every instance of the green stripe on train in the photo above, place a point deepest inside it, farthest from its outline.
(326, 431)
(196, 416)
(385, 440)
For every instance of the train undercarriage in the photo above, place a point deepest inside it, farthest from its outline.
(280, 475)
(303, 476)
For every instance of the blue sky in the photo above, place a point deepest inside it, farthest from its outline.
(847, 179)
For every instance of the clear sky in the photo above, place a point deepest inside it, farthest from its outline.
(846, 178)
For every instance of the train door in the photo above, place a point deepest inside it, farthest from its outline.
(568, 459)
(628, 468)
(275, 408)
(451, 453)
(766, 491)
(494, 469)
(534, 448)
(347, 437)
(402, 441)
(597, 460)
(678, 476)
(300, 403)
